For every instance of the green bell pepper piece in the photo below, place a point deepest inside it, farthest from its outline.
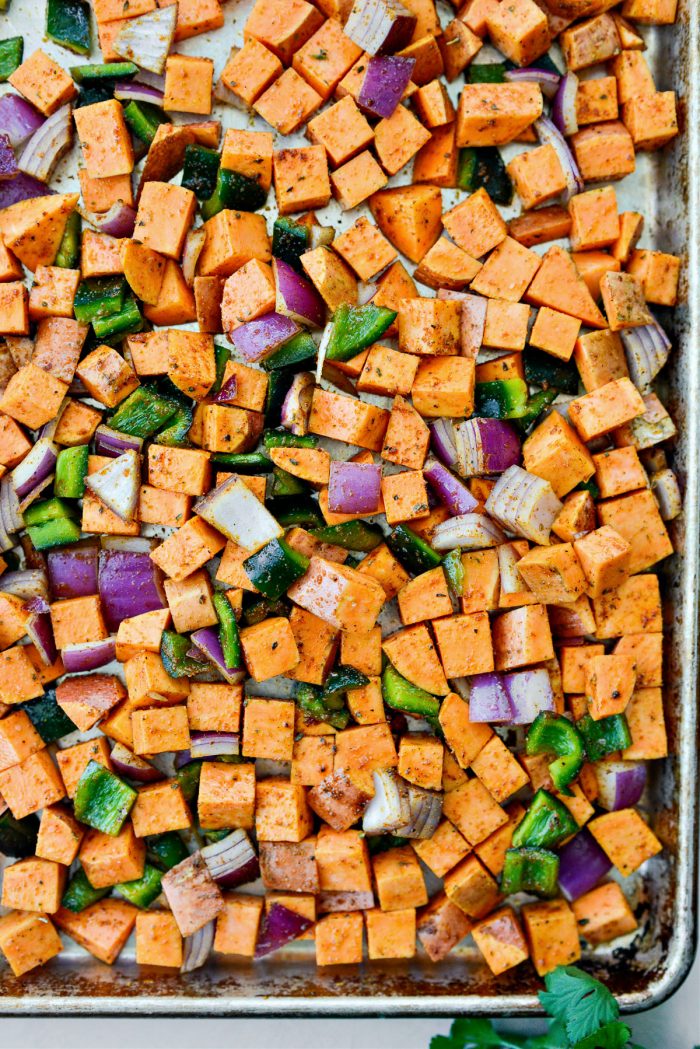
(58, 532)
(403, 695)
(11, 53)
(71, 471)
(68, 24)
(228, 630)
(310, 699)
(530, 870)
(200, 169)
(412, 551)
(274, 568)
(235, 191)
(48, 510)
(295, 510)
(454, 571)
(355, 328)
(297, 350)
(351, 535)
(80, 894)
(18, 837)
(188, 779)
(103, 71)
(290, 239)
(144, 119)
(554, 734)
(605, 736)
(144, 890)
(49, 720)
(166, 850)
(546, 823)
(103, 800)
(243, 462)
(173, 651)
(284, 439)
(144, 412)
(99, 297)
(501, 399)
(68, 254)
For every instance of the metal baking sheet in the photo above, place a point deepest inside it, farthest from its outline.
(645, 971)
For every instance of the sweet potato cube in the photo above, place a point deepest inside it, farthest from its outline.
(424, 597)
(269, 648)
(238, 923)
(537, 176)
(499, 770)
(359, 751)
(464, 737)
(443, 850)
(391, 934)
(436, 161)
(475, 224)
(398, 138)
(658, 274)
(233, 238)
(18, 739)
(76, 620)
(420, 760)
(19, 680)
(651, 119)
(339, 939)
(625, 838)
(604, 151)
(470, 887)
(14, 309)
(32, 784)
(365, 248)
(594, 219)
(226, 795)
(588, 43)
(603, 914)
(27, 941)
(553, 573)
(250, 70)
(464, 644)
(407, 436)
(282, 25)
(158, 939)
(647, 650)
(301, 179)
(596, 100)
(108, 860)
(366, 703)
(44, 83)
(268, 729)
(610, 682)
(158, 730)
(145, 674)
(342, 130)
(645, 718)
(552, 934)
(501, 941)
(399, 879)
(494, 114)
(334, 281)
(444, 386)
(604, 556)
(32, 396)
(411, 218)
(637, 519)
(282, 812)
(188, 549)
(188, 84)
(606, 408)
(473, 810)
(651, 12)
(413, 654)
(33, 885)
(326, 57)
(159, 808)
(343, 597)
(555, 333)
(343, 861)
(440, 927)
(522, 636)
(506, 324)
(288, 102)
(520, 31)
(60, 835)
(357, 180)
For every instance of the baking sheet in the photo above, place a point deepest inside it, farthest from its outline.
(665, 188)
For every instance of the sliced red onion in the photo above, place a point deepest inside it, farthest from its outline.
(36, 466)
(88, 655)
(296, 407)
(194, 242)
(47, 145)
(197, 948)
(40, 633)
(664, 485)
(323, 345)
(449, 489)
(442, 437)
(488, 699)
(22, 187)
(400, 807)
(332, 902)
(380, 26)
(259, 339)
(8, 162)
(548, 81)
(34, 494)
(132, 766)
(113, 443)
(384, 84)
(129, 584)
(279, 927)
(232, 860)
(207, 641)
(620, 783)
(37, 605)
(26, 583)
(117, 484)
(511, 580)
(472, 320)
(320, 236)
(227, 393)
(119, 221)
(19, 120)
(6, 540)
(582, 863)
(233, 509)
(146, 39)
(548, 134)
(296, 297)
(135, 91)
(564, 105)
(354, 488)
(530, 693)
(524, 504)
(73, 570)
(212, 744)
(485, 446)
(647, 349)
(468, 531)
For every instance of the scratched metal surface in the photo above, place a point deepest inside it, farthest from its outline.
(641, 970)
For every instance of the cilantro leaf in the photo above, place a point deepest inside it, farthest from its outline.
(581, 1002)
(443, 1041)
(613, 1035)
(555, 1038)
(480, 1034)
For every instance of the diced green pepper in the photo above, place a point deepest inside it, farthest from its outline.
(18, 837)
(48, 510)
(278, 385)
(80, 893)
(144, 119)
(103, 800)
(295, 510)
(188, 779)
(235, 191)
(243, 463)
(68, 254)
(486, 73)
(377, 843)
(144, 890)
(89, 94)
(454, 571)
(501, 399)
(68, 24)
(355, 328)
(144, 412)
(285, 439)
(166, 850)
(284, 483)
(274, 568)
(11, 52)
(530, 870)
(103, 71)
(222, 355)
(605, 736)
(412, 551)
(173, 651)
(258, 608)
(71, 471)
(541, 369)
(99, 297)
(483, 168)
(546, 823)
(297, 350)
(310, 699)
(49, 720)
(290, 240)
(554, 734)
(228, 630)
(58, 532)
(200, 169)
(175, 433)
(403, 695)
(351, 535)
(547, 63)
(343, 679)
(589, 486)
(126, 322)
(536, 404)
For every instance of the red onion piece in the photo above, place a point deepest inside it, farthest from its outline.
(207, 641)
(22, 187)
(296, 297)
(213, 744)
(135, 91)
(73, 570)
(88, 655)
(117, 484)
(232, 508)
(146, 39)
(8, 163)
(279, 927)
(228, 391)
(400, 807)
(647, 349)
(582, 863)
(380, 26)
(129, 584)
(232, 861)
(384, 84)
(354, 488)
(485, 446)
(194, 242)
(132, 766)
(112, 443)
(548, 81)
(530, 693)
(259, 339)
(320, 236)
(296, 407)
(40, 633)
(468, 531)
(564, 115)
(442, 437)
(27, 583)
(524, 504)
(549, 134)
(19, 120)
(47, 145)
(119, 221)
(36, 466)
(197, 948)
(449, 489)
(620, 783)
(488, 699)
(667, 492)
